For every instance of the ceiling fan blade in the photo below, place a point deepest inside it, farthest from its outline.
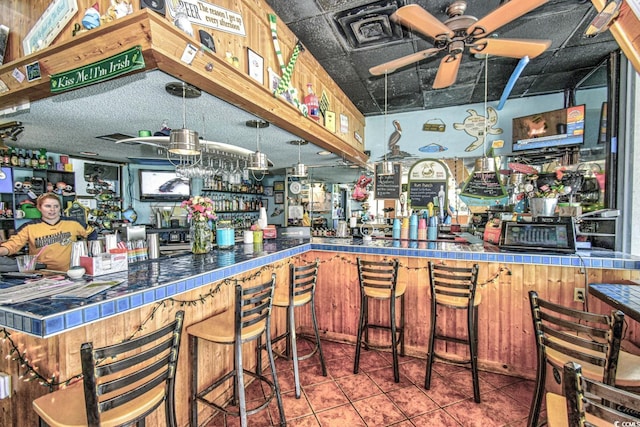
(418, 19)
(503, 15)
(511, 48)
(391, 66)
(448, 71)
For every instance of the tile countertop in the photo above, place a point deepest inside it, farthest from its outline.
(151, 281)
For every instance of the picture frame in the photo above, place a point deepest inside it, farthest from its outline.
(255, 66)
(278, 186)
(265, 203)
(268, 191)
(278, 198)
(49, 25)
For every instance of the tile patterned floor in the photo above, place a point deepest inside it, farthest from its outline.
(371, 397)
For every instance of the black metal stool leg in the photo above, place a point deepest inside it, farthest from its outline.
(394, 339)
(356, 362)
(292, 344)
(272, 363)
(315, 329)
(473, 351)
(432, 340)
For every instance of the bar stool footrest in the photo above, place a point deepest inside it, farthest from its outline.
(451, 360)
(456, 340)
(224, 409)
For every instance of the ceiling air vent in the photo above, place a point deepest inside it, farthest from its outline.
(369, 25)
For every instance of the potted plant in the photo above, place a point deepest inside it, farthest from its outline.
(543, 192)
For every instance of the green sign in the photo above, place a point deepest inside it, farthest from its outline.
(100, 71)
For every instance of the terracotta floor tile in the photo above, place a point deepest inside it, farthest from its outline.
(498, 380)
(439, 418)
(372, 399)
(442, 393)
(445, 369)
(383, 377)
(522, 391)
(412, 401)
(293, 408)
(342, 416)
(325, 396)
(378, 411)
(333, 350)
(496, 409)
(308, 421)
(371, 360)
(313, 375)
(415, 371)
(358, 386)
(339, 368)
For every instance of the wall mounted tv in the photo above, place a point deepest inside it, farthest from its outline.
(163, 186)
(558, 128)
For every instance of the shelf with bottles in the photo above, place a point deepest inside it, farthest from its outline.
(236, 204)
(246, 186)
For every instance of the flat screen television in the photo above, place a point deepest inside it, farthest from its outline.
(163, 186)
(557, 128)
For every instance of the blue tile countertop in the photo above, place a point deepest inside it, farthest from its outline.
(152, 281)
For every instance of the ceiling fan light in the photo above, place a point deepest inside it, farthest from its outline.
(299, 170)
(386, 168)
(258, 162)
(184, 142)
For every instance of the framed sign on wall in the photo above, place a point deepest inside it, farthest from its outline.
(50, 24)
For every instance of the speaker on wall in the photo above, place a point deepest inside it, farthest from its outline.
(155, 5)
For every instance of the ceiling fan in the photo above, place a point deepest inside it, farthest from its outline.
(460, 31)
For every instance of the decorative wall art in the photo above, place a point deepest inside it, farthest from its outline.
(278, 186)
(278, 198)
(50, 24)
(256, 66)
(474, 125)
(268, 191)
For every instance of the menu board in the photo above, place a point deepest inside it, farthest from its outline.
(423, 192)
(426, 178)
(388, 186)
(485, 184)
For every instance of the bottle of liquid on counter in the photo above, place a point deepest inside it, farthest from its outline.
(311, 101)
(395, 232)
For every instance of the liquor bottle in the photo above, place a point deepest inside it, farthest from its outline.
(311, 101)
(6, 157)
(21, 159)
(15, 161)
(34, 160)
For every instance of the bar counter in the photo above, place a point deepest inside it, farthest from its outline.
(151, 281)
(50, 331)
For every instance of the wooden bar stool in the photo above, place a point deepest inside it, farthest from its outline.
(250, 319)
(593, 340)
(379, 280)
(590, 402)
(122, 383)
(455, 288)
(302, 291)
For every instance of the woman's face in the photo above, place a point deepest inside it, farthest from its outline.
(50, 209)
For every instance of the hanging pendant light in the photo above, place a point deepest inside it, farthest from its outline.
(299, 169)
(258, 161)
(385, 167)
(183, 142)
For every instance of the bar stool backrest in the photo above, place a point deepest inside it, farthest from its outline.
(117, 374)
(451, 285)
(253, 310)
(578, 335)
(302, 281)
(378, 275)
(603, 402)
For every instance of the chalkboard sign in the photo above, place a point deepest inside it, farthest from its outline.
(388, 186)
(482, 185)
(423, 192)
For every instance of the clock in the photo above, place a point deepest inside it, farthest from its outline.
(295, 187)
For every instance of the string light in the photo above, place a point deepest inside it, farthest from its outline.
(31, 371)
